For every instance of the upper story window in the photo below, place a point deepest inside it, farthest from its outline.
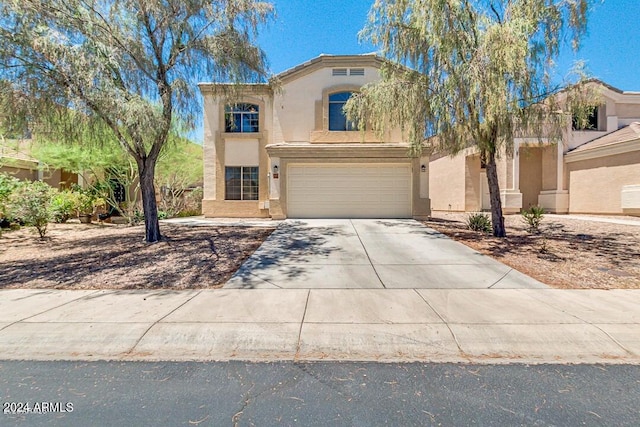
(241, 118)
(337, 118)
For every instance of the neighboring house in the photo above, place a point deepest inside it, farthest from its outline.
(290, 152)
(16, 160)
(594, 170)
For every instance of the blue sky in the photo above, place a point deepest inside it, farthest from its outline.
(305, 29)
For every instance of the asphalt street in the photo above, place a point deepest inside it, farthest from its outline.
(317, 394)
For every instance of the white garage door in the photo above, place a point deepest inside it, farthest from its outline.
(349, 191)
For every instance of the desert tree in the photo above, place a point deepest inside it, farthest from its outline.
(127, 66)
(471, 73)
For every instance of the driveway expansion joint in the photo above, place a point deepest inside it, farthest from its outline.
(367, 254)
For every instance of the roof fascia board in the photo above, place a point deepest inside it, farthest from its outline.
(330, 61)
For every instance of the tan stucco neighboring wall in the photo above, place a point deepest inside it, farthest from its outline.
(530, 175)
(549, 167)
(473, 186)
(20, 173)
(595, 185)
(447, 183)
(628, 111)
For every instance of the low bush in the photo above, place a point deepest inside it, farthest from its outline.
(479, 222)
(189, 212)
(533, 217)
(64, 205)
(31, 202)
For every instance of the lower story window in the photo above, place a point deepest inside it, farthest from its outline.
(241, 182)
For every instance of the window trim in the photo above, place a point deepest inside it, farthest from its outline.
(231, 109)
(349, 125)
(242, 183)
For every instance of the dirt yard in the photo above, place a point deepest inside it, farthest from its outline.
(78, 256)
(568, 254)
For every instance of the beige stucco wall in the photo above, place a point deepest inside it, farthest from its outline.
(595, 185)
(628, 111)
(447, 183)
(299, 104)
(530, 175)
(245, 149)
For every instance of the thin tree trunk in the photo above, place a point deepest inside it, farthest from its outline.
(497, 220)
(151, 225)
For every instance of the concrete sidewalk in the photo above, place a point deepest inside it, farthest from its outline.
(440, 325)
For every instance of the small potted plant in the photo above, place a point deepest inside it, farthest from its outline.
(84, 206)
(86, 203)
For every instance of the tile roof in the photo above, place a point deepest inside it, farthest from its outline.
(625, 134)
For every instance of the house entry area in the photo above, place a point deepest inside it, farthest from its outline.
(349, 190)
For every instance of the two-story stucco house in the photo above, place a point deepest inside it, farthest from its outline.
(291, 153)
(593, 171)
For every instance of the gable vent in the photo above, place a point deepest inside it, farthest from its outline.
(356, 71)
(339, 71)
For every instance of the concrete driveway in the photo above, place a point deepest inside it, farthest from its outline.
(369, 254)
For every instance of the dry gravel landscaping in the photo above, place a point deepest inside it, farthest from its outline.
(568, 253)
(79, 256)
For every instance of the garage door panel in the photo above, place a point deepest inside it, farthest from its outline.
(349, 191)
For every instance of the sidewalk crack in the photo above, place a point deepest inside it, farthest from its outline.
(304, 315)
(453, 335)
(158, 321)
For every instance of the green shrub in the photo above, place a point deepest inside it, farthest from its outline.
(479, 222)
(189, 212)
(533, 217)
(163, 215)
(64, 205)
(31, 202)
(8, 185)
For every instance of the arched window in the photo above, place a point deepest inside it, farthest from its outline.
(241, 118)
(337, 118)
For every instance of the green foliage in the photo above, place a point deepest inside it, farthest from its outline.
(189, 212)
(479, 222)
(533, 217)
(471, 73)
(64, 205)
(8, 185)
(123, 70)
(87, 199)
(31, 202)
(179, 169)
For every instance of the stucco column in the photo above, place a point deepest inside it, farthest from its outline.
(516, 166)
(560, 167)
(510, 195)
(556, 201)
